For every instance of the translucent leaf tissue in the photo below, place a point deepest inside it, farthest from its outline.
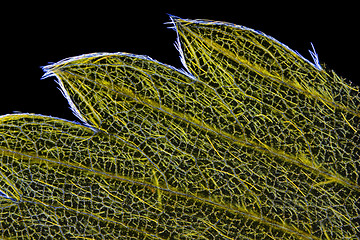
(249, 141)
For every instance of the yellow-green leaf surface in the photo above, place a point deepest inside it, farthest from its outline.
(250, 141)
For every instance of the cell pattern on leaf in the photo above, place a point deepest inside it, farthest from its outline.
(249, 141)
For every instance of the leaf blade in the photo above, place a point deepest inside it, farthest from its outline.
(61, 184)
(199, 154)
(212, 130)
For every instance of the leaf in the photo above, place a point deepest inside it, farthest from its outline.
(251, 141)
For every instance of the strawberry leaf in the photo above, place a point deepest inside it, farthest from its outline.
(251, 140)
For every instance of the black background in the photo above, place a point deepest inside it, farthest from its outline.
(34, 35)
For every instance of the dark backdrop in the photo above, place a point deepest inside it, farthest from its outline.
(34, 35)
